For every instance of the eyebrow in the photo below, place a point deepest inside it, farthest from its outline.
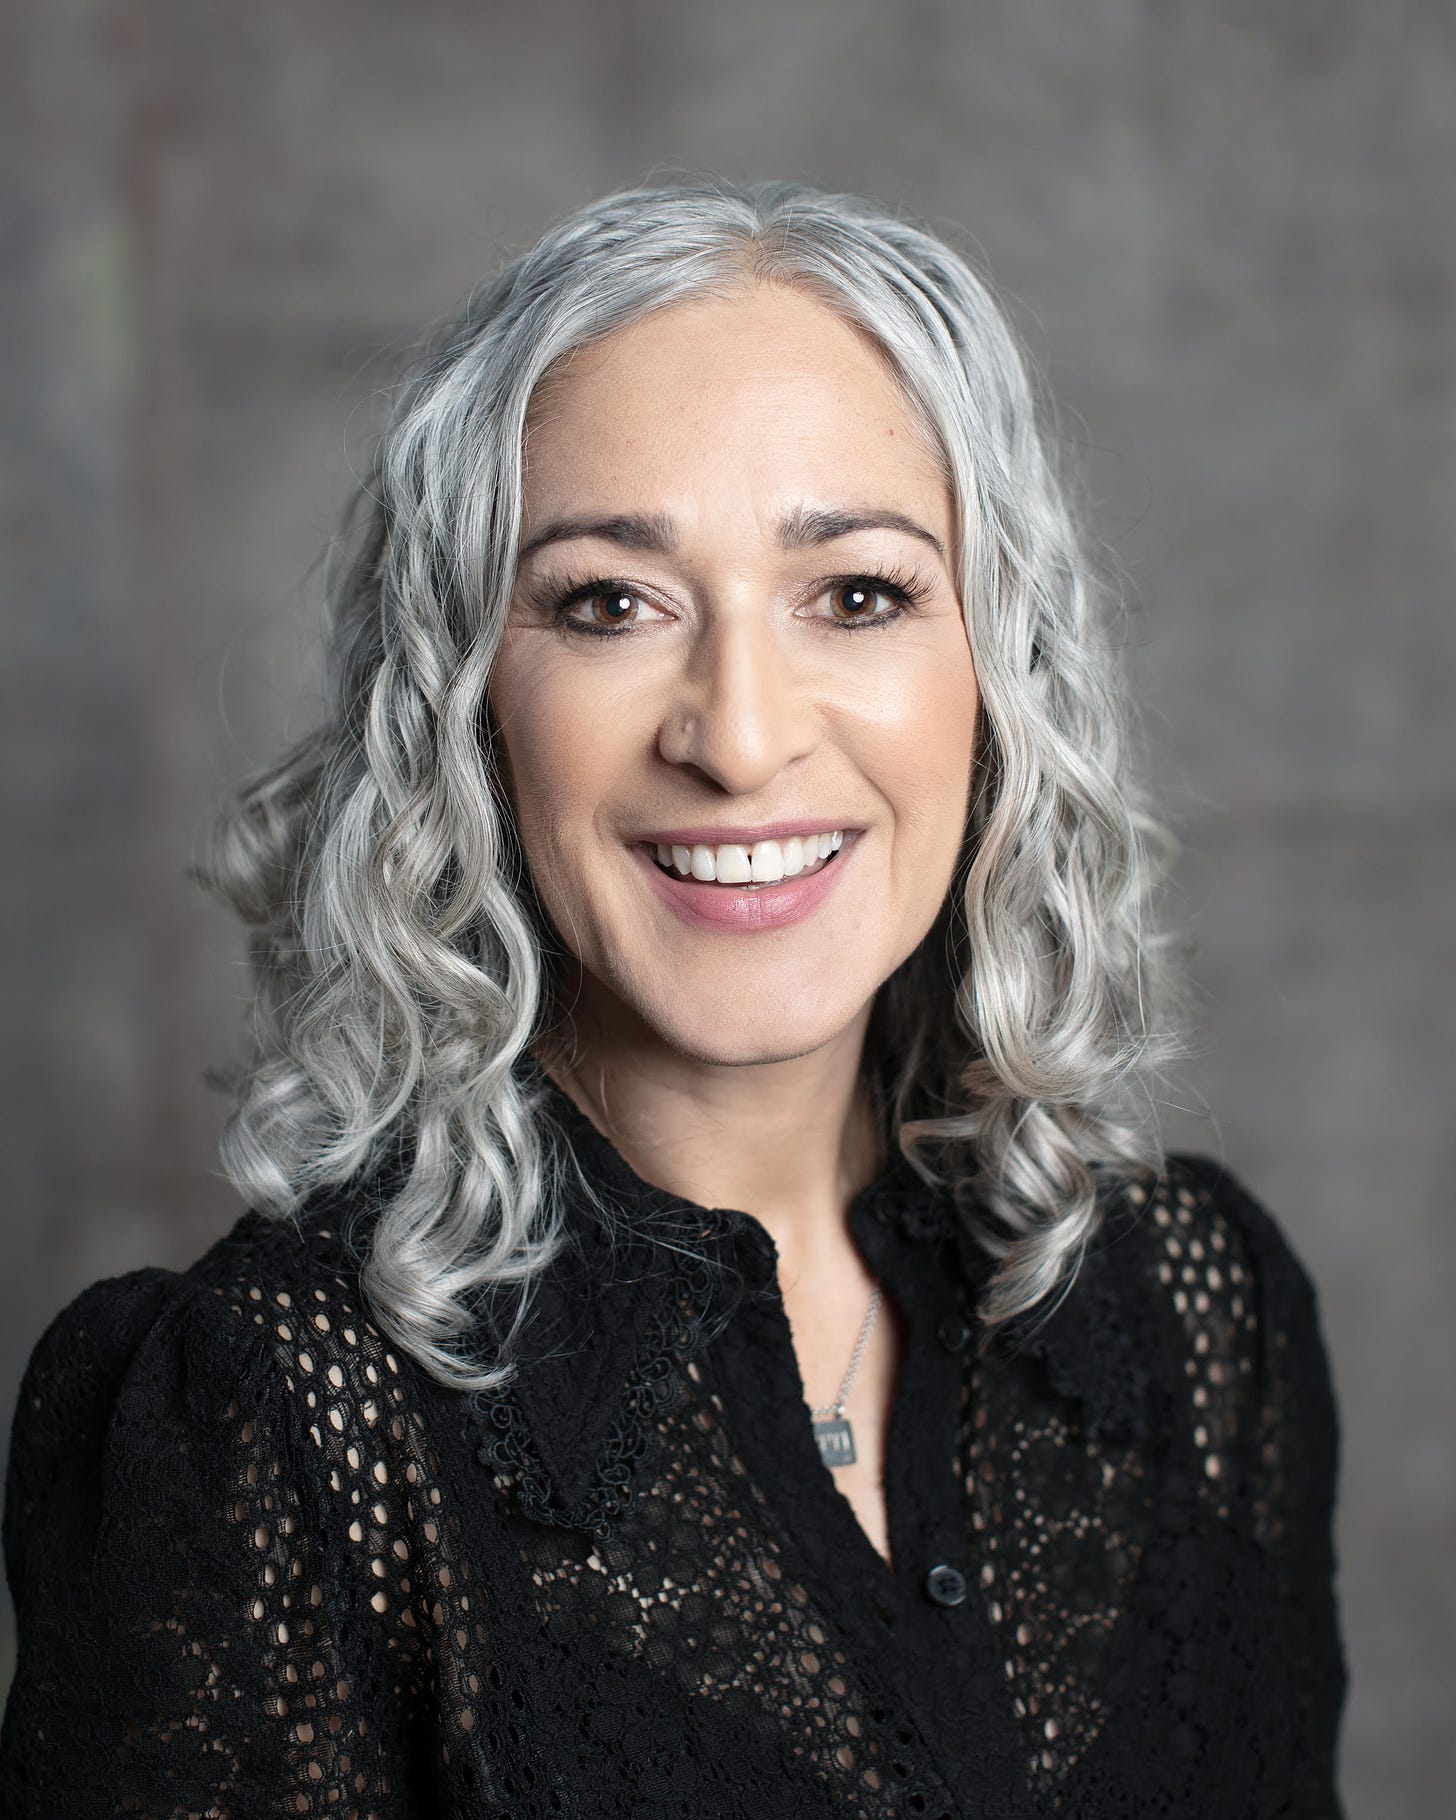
(802, 529)
(633, 530)
(805, 527)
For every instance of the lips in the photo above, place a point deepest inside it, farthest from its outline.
(746, 908)
(721, 833)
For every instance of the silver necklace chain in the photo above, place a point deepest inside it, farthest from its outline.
(837, 1409)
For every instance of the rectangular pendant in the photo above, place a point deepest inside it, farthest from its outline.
(836, 1441)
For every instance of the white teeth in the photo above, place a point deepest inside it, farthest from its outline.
(733, 865)
(764, 863)
(768, 862)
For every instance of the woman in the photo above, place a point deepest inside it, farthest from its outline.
(712, 1334)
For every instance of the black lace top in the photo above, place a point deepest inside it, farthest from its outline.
(265, 1566)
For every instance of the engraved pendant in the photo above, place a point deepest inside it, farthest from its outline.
(836, 1441)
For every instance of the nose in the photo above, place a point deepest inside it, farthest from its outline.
(742, 706)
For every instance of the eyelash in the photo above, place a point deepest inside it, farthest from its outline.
(903, 586)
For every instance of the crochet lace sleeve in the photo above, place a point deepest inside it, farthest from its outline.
(1291, 1457)
(225, 1565)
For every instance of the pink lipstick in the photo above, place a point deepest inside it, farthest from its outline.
(745, 909)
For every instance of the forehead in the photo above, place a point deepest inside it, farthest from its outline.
(764, 390)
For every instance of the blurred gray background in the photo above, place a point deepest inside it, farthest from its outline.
(1228, 232)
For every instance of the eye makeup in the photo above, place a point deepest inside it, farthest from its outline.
(557, 597)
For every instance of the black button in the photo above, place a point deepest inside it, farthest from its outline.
(946, 1585)
(953, 1333)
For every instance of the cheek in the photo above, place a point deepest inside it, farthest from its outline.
(562, 747)
(524, 700)
(921, 727)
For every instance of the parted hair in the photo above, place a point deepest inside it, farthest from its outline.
(404, 965)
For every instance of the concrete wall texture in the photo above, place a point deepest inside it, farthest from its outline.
(1229, 233)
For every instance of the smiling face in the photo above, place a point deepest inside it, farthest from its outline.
(735, 627)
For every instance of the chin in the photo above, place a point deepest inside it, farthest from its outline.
(746, 1040)
(754, 1054)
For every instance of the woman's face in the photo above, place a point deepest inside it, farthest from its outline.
(735, 628)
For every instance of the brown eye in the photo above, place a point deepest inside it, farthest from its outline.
(854, 601)
(600, 608)
(613, 608)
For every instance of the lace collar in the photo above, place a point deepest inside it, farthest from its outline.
(623, 1308)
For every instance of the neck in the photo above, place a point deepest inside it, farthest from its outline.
(789, 1141)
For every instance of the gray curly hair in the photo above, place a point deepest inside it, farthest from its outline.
(404, 965)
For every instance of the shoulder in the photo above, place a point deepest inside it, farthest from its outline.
(159, 1359)
(223, 1307)
(219, 1481)
(1226, 1319)
(1198, 1235)
(163, 1411)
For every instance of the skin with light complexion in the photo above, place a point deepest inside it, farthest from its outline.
(736, 627)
